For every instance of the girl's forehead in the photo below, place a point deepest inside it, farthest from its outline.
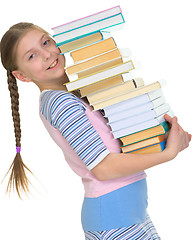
(30, 40)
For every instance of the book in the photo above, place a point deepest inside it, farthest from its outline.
(107, 83)
(113, 71)
(145, 134)
(142, 144)
(100, 67)
(116, 90)
(130, 112)
(93, 62)
(159, 147)
(137, 119)
(93, 50)
(87, 20)
(128, 95)
(109, 23)
(141, 126)
(81, 42)
(132, 102)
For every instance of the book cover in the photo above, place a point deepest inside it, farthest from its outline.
(116, 90)
(108, 23)
(142, 144)
(113, 71)
(159, 147)
(93, 50)
(145, 134)
(142, 117)
(128, 95)
(136, 110)
(133, 102)
(81, 42)
(105, 84)
(94, 62)
(141, 126)
(87, 20)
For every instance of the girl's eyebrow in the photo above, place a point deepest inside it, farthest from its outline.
(44, 34)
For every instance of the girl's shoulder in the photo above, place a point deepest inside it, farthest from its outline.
(52, 99)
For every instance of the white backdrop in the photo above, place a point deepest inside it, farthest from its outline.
(161, 35)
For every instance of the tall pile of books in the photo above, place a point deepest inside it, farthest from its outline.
(102, 73)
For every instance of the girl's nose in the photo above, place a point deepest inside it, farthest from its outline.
(45, 54)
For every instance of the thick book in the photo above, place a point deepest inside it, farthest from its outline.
(87, 20)
(145, 134)
(105, 84)
(94, 62)
(141, 126)
(82, 42)
(133, 102)
(137, 119)
(132, 111)
(107, 24)
(159, 147)
(116, 90)
(142, 144)
(128, 95)
(113, 71)
(93, 50)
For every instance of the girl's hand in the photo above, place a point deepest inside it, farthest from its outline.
(177, 139)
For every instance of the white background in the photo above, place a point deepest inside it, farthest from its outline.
(161, 35)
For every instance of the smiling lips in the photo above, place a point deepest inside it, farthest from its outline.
(53, 64)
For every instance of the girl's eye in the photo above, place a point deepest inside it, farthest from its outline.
(32, 56)
(46, 42)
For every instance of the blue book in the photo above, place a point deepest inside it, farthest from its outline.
(109, 24)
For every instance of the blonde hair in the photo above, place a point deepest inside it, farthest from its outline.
(18, 179)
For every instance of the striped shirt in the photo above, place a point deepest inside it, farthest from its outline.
(66, 113)
(86, 139)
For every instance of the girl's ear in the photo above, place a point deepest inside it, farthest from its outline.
(17, 74)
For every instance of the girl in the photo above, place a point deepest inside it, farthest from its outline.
(115, 200)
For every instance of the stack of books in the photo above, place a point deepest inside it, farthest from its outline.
(102, 73)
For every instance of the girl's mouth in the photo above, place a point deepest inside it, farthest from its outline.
(53, 64)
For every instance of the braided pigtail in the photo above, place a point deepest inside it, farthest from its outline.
(18, 178)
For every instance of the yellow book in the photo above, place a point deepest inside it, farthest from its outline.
(145, 134)
(116, 90)
(151, 149)
(144, 143)
(100, 67)
(93, 62)
(107, 83)
(93, 50)
(128, 95)
(99, 76)
(78, 43)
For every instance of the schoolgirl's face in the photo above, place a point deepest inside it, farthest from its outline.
(39, 60)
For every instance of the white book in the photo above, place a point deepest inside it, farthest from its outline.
(130, 112)
(143, 117)
(86, 20)
(132, 102)
(93, 78)
(142, 126)
(108, 23)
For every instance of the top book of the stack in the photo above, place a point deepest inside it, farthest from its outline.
(106, 20)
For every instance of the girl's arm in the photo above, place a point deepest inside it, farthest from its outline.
(116, 165)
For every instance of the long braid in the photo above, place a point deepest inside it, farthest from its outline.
(13, 88)
(18, 178)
